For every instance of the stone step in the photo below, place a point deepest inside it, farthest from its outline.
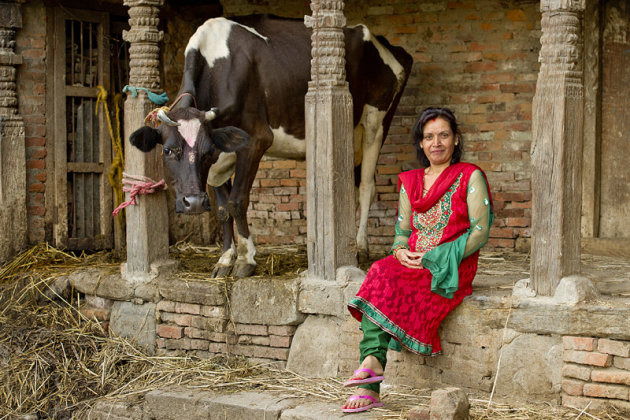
(247, 405)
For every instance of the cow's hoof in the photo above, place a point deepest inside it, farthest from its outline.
(221, 271)
(243, 270)
(363, 256)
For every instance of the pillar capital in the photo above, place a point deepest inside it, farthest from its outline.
(562, 5)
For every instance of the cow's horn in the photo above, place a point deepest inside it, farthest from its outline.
(211, 115)
(166, 120)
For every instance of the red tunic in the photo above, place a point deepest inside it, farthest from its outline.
(399, 299)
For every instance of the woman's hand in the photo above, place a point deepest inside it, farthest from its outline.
(409, 259)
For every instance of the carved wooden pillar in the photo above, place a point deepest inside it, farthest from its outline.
(329, 145)
(557, 147)
(12, 149)
(147, 221)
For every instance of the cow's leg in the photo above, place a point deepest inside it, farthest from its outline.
(224, 265)
(247, 162)
(372, 120)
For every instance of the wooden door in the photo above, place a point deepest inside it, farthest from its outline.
(82, 147)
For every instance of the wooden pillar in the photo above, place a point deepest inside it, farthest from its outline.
(558, 111)
(329, 146)
(147, 221)
(12, 150)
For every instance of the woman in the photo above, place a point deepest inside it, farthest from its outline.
(444, 218)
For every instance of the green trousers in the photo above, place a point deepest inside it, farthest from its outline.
(375, 343)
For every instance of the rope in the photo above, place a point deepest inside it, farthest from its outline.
(160, 99)
(115, 173)
(138, 185)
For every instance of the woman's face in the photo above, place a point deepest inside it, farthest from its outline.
(438, 141)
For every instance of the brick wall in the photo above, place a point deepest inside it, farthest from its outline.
(478, 58)
(31, 84)
(207, 331)
(596, 372)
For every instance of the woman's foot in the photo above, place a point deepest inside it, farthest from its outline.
(371, 363)
(353, 403)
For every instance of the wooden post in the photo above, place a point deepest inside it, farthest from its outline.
(147, 221)
(558, 111)
(12, 150)
(329, 146)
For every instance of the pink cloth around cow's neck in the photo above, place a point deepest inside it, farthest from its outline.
(189, 129)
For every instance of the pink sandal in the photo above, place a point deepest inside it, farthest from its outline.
(374, 404)
(360, 381)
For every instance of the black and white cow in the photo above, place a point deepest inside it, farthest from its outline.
(252, 73)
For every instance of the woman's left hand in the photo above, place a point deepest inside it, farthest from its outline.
(409, 259)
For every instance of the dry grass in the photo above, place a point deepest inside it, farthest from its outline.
(55, 363)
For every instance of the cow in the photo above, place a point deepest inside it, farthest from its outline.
(242, 96)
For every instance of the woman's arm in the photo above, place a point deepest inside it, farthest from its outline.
(479, 213)
(403, 222)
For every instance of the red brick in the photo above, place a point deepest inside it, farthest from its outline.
(37, 187)
(284, 330)
(616, 348)
(572, 386)
(187, 308)
(100, 314)
(165, 306)
(261, 352)
(36, 210)
(284, 164)
(611, 376)
(169, 331)
(251, 329)
(622, 362)
(516, 15)
(587, 358)
(606, 391)
(179, 319)
(578, 343)
(279, 341)
(576, 371)
(35, 164)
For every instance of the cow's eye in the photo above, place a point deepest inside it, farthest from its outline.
(168, 152)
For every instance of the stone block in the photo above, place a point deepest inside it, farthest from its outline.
(315, 348)
(190, 291)
(419, 413)
(101, 283)
(576, 371)
(265, 302)
(319, 411)
(587, 358)
(574, 289)
(449, 404)
(261, 352)
(616, 348)
(606, 391)
(578, 343)
(250, 406)
(98, 302)
(136, 322)
(611, 376)
(531, 365)
(116, 410)
(321, 297)
(169, 405)
(208, 324)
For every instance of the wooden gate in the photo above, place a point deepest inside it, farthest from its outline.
(82, 147)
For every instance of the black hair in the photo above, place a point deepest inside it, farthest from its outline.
(430, 114)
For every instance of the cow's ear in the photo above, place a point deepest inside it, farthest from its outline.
(145, 138)
(230, 139)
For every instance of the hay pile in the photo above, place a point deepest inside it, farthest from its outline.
(55, 363)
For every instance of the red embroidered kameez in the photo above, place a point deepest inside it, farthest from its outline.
(450, 222)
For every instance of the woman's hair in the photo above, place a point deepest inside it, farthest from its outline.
(431, 114)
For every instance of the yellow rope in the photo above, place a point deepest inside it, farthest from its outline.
(114, 176)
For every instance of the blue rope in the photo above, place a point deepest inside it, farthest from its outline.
(160, 99)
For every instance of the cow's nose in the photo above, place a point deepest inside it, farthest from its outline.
(193, 204)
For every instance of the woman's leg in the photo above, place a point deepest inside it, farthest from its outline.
(373, 349)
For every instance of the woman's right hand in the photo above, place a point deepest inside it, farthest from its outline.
(408, 258)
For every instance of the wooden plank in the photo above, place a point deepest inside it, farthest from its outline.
(105, 147)
(85, 167)
(81, 91)
(60, 229)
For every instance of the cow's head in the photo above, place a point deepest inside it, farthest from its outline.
(190, 146)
